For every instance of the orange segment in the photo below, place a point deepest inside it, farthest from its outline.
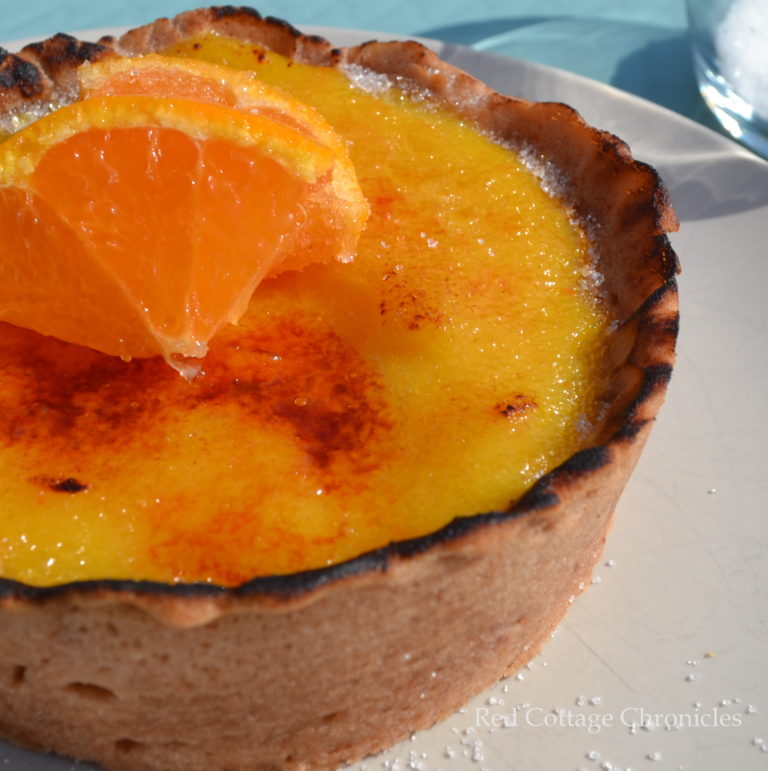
(163, 76)
(49, 281)
(140, 226)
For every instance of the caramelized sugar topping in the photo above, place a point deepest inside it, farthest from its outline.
(439, 375)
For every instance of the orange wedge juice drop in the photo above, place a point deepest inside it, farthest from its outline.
(139, 220)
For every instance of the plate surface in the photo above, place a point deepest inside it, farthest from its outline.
(664, 658)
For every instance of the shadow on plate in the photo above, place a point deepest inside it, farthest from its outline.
(715, 184)
(662, 72)
(16, 759)
(647, 60)
(472, 33)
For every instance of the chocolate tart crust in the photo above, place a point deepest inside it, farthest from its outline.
(320, 668)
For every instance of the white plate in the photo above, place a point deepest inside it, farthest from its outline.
(678, 626)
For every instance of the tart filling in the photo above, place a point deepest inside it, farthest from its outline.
(454, 362)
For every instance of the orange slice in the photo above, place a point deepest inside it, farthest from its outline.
(165, 76)
(139, 225)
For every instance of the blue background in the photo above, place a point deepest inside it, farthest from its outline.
(639, 46)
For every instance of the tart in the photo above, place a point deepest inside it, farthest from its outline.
(343, 636)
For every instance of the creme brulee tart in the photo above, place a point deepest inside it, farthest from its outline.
(417, 335)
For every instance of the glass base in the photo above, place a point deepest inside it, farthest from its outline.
(736, 116)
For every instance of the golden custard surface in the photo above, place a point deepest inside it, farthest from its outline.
(438, 375)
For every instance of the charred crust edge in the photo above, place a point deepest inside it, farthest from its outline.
(44, 71)
(20, 75)
(221, 11)
(656, 318)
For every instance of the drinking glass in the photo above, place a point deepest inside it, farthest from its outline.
(729, 43)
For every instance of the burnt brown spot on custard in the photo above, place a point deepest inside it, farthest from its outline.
(56, 396)
(66, 485)
(383, 203)
(515, 406)
(305, 379)
(294, 376)
(407, 306)
(69, 485)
